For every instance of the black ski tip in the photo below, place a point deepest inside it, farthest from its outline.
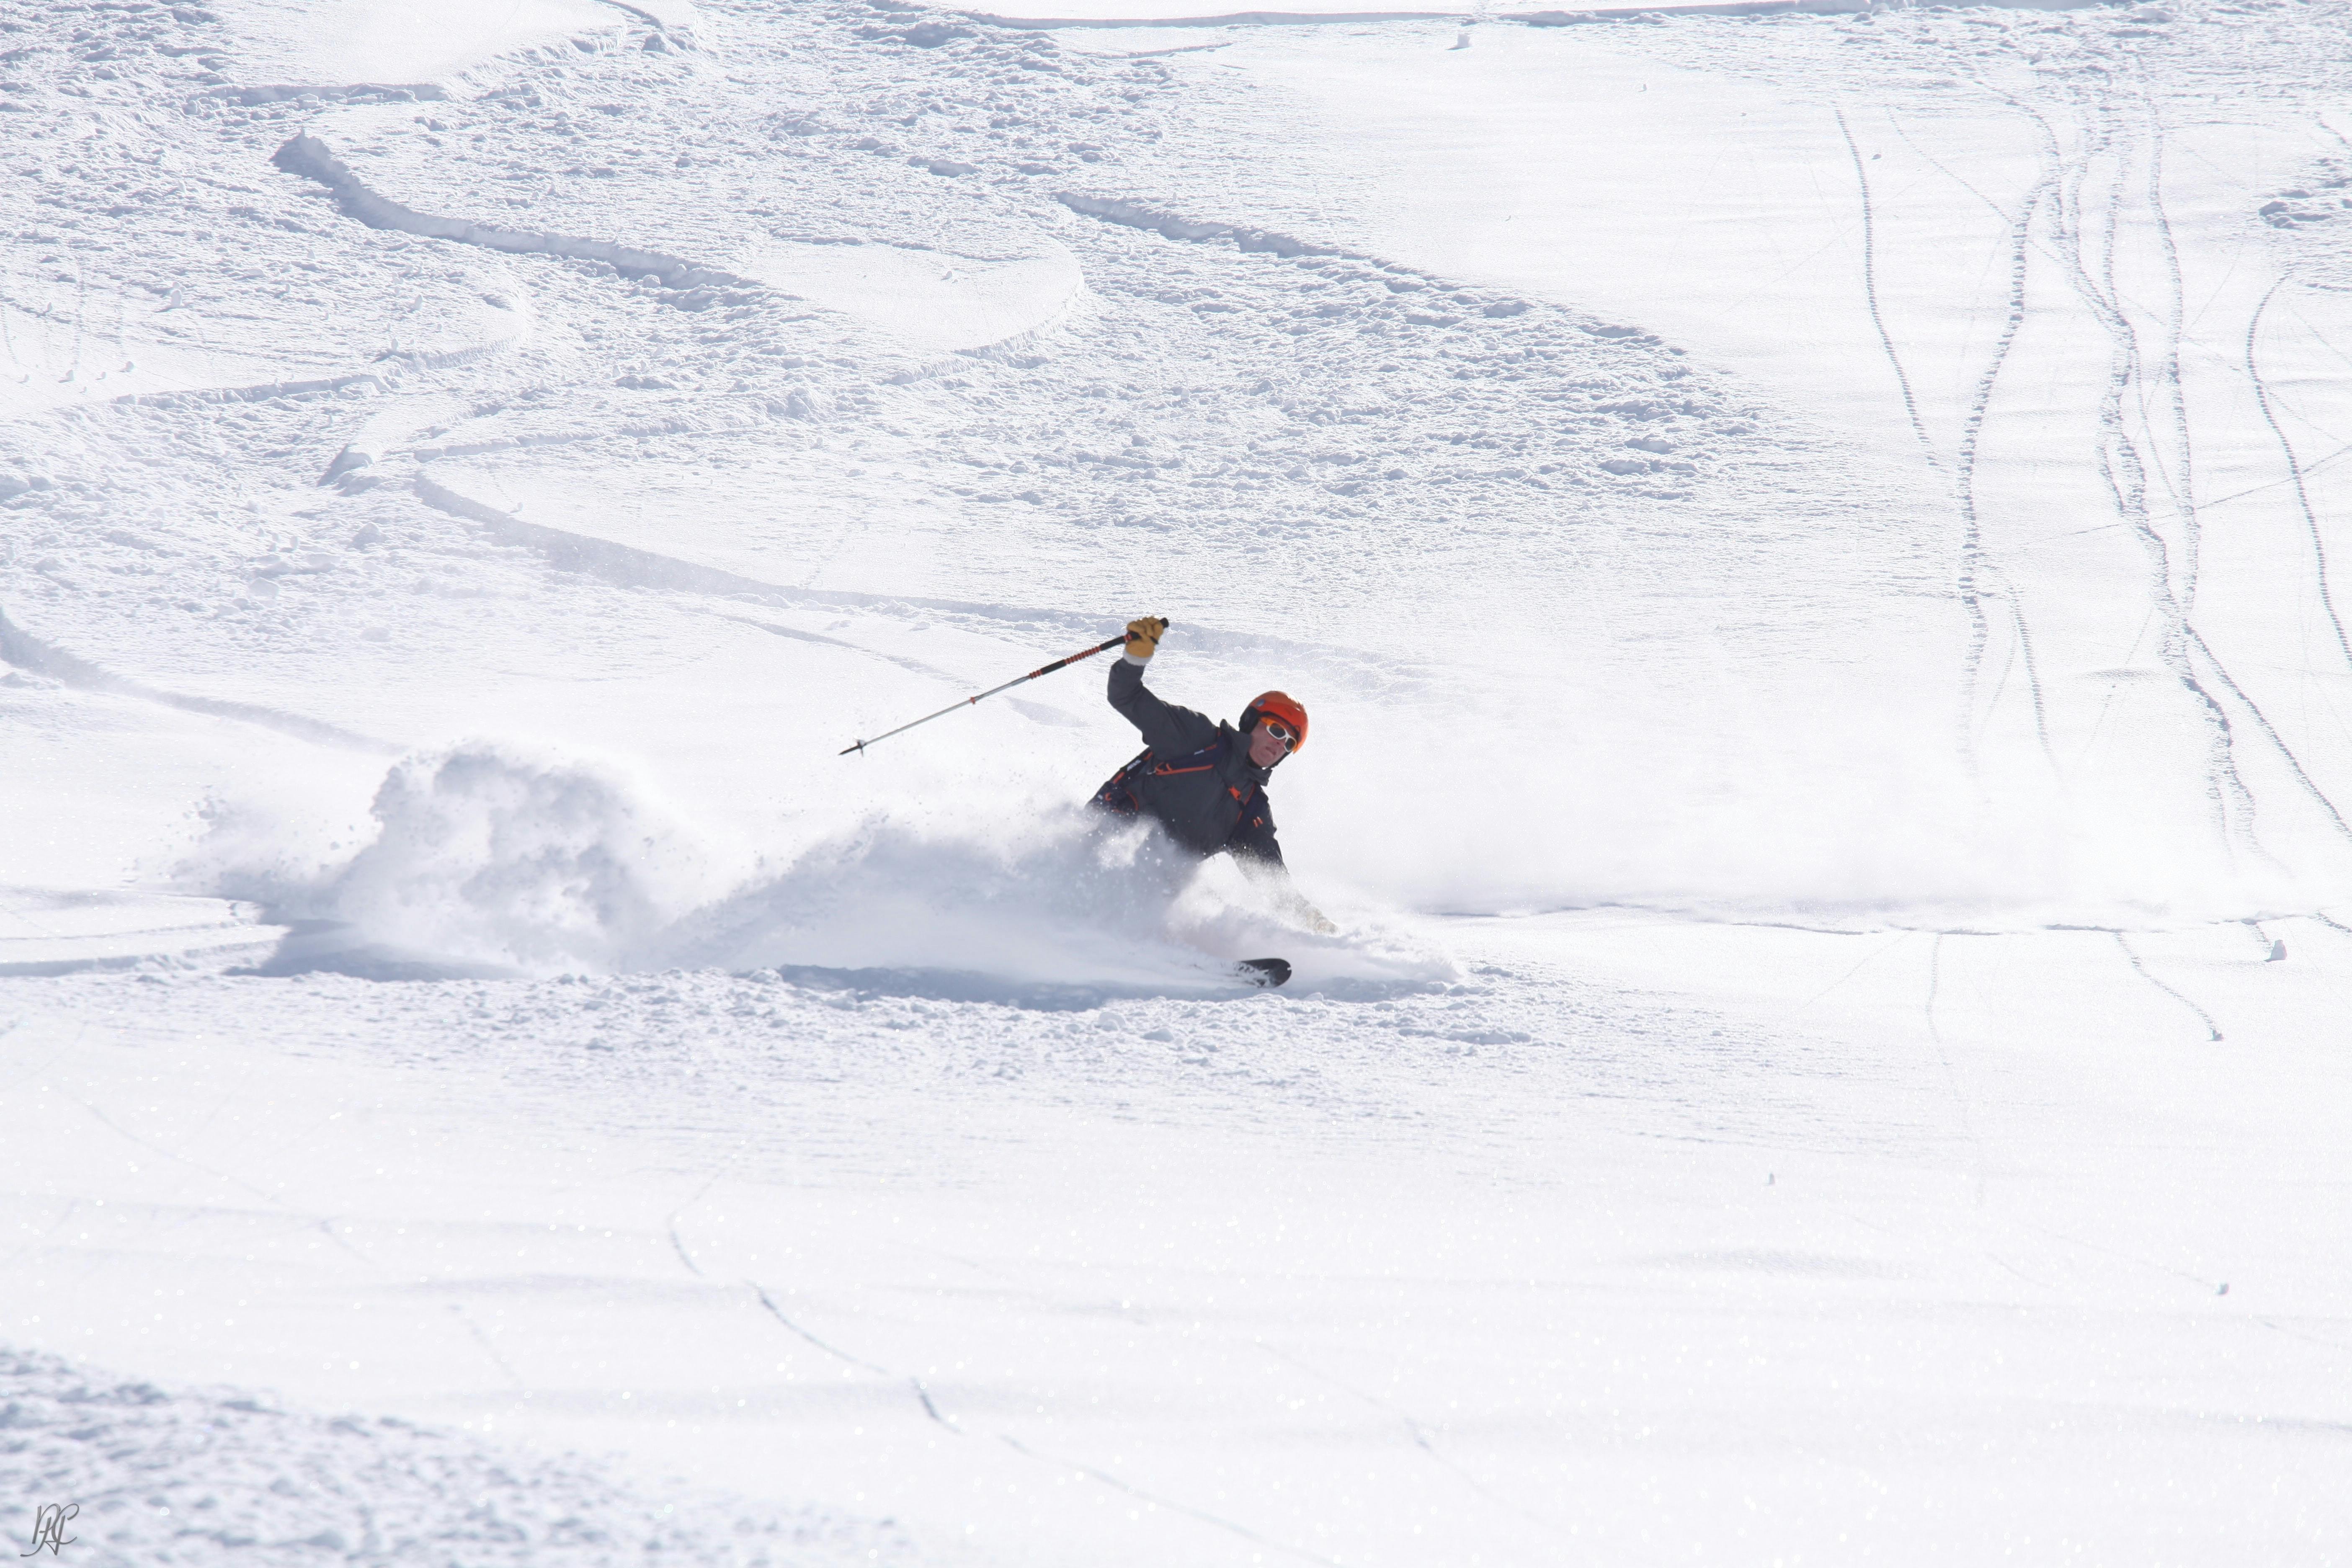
(1264, 971)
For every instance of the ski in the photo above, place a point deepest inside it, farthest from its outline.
(1263, 971)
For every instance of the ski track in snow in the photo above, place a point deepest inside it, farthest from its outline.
(2212, 1030)
(2106, 98)
(2102, 138)
(1870, 290)
(2121, 465)
(2295, 473)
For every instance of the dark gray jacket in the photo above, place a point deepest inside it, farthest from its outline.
(1195, 776)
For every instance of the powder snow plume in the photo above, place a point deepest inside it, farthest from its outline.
(483, 857)
(1065, 897)
(487, 859)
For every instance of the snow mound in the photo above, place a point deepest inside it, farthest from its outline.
(164, 1477)
(413, 41)
(484, 859)
(535, 863)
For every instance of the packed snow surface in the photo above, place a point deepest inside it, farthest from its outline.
(1813, 545)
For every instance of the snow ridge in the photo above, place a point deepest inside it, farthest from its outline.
(1228, 19)
(306, 155)
(259, 394)
(1135, 214)
(629, 567)
(30, 653)
(1758, 8)
(355, 92)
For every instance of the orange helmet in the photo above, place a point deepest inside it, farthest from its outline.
(1277, 705)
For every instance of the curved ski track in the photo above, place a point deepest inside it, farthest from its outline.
(2122, 466)
(1980, 577)
(2294, 472)
(2212, 1030)
(930, 1408)
(1870, 290)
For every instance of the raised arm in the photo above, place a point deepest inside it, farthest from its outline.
(1167, 729)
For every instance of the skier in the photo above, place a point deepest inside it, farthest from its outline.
(1204, 780)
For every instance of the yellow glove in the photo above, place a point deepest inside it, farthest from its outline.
(1143, 636)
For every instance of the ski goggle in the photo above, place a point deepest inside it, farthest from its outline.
(1280, 732)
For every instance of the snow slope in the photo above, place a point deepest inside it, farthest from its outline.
(1809, 544)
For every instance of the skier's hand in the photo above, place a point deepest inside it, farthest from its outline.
(1319, 923)
(1143, 636)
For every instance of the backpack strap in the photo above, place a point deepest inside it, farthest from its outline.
(1118, 797)
(1118, 794)
(1200, 761)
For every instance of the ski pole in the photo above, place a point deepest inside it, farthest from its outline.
(1057, 664)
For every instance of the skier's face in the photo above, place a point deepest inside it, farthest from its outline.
(1269, 743)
